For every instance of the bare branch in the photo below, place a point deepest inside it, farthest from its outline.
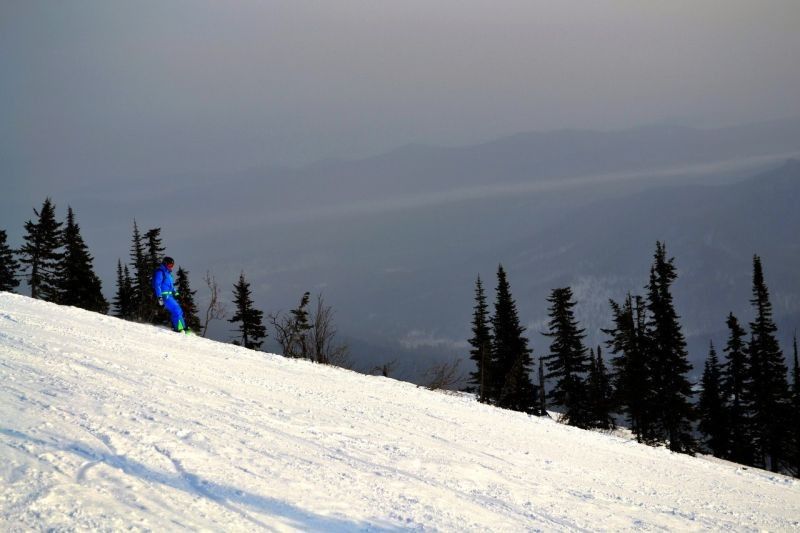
(216, 309)
(445, 376)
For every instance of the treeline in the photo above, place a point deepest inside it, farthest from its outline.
(56, 264)
(745, 411)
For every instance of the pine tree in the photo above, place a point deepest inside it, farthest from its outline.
(632, 384)
(794, 463)
(568, 361)
(8, 266)
(599, 393)
(250, 319)
(300, 328)
(734, 374)
(41, 254)
(153, 254)
(669, 361)
(510, 386)
(768, 390)
(79, 285)
(123, 301)
(542, 407)
(481, 343)
(186, 295)
(712, 408)
(141, 291)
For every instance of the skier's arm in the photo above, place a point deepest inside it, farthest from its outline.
(158, 277)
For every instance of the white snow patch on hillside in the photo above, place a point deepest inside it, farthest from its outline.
(110, 425)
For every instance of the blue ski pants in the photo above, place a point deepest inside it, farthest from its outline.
(175, 312)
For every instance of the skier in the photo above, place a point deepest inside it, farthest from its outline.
(166, 293)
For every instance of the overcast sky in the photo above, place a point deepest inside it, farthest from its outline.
(118, 88)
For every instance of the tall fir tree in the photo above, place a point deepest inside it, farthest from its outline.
(794, 463)
(511, 386)
(568, 361)
(542, 407)
(632, 384)
(481, 343)
(768, 390)
(669, 360)
(41, 253)
(599, 392)
(734, 374)
(79, 285)
(141, 291)
(251, 320)
(8, 265)
(154, 253)
(124, 304)
(300, 329)
(712, 409)
(186, 295)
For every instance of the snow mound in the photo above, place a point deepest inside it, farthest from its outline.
(109, 425)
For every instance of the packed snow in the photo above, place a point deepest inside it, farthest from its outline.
(109, 425)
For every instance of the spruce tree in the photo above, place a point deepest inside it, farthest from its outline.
(511, 386)
(141, 291)
(632, 383)
(599, 392)
(481, 342)
(301, 328)
(8, 266)
(41, 254)
(186, 296)
(250, 320)
(124, 298)
(794, 463)
(79, 285)
(669, 361)
(768, 390)
(154, 253)
(568, 361)
(734, 374)
(714, 423)
(542, 407)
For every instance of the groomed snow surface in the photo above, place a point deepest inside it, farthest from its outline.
(109, 425)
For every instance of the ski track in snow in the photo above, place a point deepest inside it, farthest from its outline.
(109, 425)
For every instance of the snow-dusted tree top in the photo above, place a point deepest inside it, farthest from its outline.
(106, 424)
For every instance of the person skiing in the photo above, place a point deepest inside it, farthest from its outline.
(166, 293)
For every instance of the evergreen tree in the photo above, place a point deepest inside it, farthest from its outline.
(8, 266)
(79, 285)
(300, 328)
(41, 254)
(599, 393)
(632, 384)
(510, 386)
(154, 248)
(186, 295)
(568, 361)
(154, 252)
(251, 326)
(141, 291)
(123, 301)
(669, 361)
(542, 407)
(712, 409)
(795, 416)
(767, 390)
(481, 343)
(734, 374)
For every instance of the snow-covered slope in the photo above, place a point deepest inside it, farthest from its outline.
(106, 424)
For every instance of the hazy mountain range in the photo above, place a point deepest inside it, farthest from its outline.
(395, 241)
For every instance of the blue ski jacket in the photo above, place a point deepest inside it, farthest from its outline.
(162, 282)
